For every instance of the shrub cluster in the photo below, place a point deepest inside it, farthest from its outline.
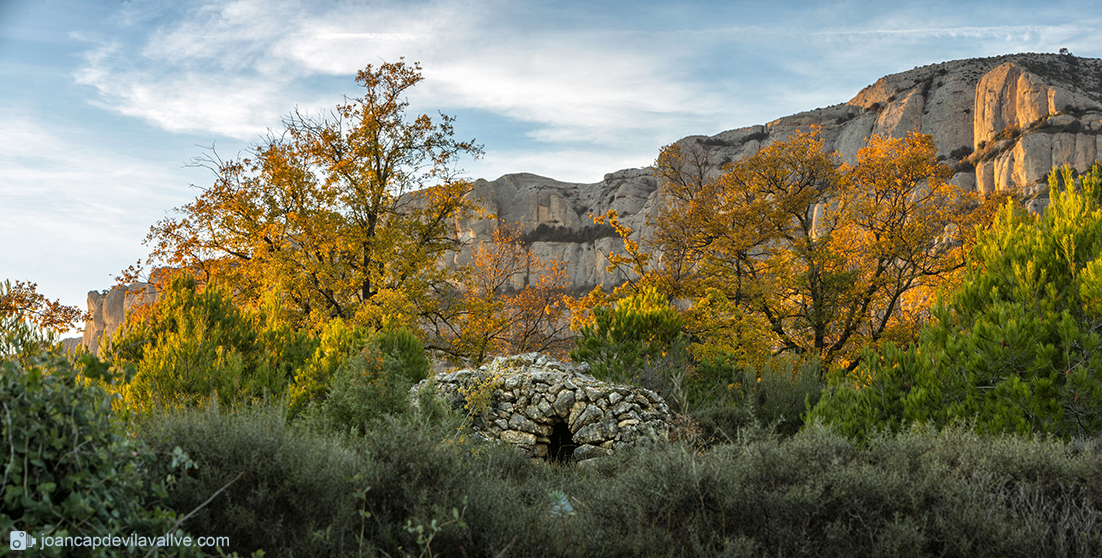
(287, 491)
(401, 491)
(730, 395)
(67, 472)
(1015, 348)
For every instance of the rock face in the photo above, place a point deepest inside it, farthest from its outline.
(1002, 123)
(550, 409)
(110, 308)
(558, 219)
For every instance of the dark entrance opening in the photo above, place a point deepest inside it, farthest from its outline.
(561, 448)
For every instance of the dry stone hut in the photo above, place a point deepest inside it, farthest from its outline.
(555, 410)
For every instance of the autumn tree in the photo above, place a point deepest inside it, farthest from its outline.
(1015, 348)
(793, 247)
(30, 322)
(22, 301)
(507, 300)
(342, 215)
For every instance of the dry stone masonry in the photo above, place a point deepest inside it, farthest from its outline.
(555, 410)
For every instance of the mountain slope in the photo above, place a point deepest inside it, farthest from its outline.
(1001, 122)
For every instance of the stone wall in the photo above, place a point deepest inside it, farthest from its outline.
(550, 409)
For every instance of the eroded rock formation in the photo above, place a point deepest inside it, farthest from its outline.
(108, 310)
(555, 410)
(1003, 123)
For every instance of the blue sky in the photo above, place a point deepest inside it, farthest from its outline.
(105, 101)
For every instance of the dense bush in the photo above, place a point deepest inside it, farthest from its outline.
(403, 347)
(1016, 348)
(295, 494)
(194, 344)
(640, 341)
(410, 488)
(815, 494)
(622, 337)
(730, 395)
(365, 388)
(67, 472)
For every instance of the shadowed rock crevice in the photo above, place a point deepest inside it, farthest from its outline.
(561, 447)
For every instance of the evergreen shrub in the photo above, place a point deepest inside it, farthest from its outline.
(194, 344)
(1015, 348)
(295, 494)
(67, 471)
(731, 395)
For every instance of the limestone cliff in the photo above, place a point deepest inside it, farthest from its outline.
(108, 310)
(1001, 122)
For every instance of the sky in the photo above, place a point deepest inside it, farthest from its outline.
(105, 102)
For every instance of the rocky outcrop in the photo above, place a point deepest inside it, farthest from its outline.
(557, 219)
(549, 409)
(108, 310)
(1003, 123)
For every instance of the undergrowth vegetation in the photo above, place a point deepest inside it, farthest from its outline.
(401, 491)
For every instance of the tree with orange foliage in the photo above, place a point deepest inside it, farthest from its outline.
(30, 322)
(494, 312)
(23, 302)
(340, 216)
(792, 249)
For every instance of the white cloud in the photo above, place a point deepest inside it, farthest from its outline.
(74, 210)
(232, 68)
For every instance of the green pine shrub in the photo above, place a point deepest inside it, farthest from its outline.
(365, 388)
(194, 344)
(336, 343)
(403, 346)
(1016, 348)
(639, 341)
(623, 337)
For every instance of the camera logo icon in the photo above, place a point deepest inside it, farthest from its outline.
(20, 540)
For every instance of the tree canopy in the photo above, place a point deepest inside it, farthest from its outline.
(339, 216)
(1016, 347)
(801, 253)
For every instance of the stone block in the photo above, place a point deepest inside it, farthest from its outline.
(587, 451)
(521, 423)
(563, 403)
(576, 411)
(623, 408)
(518, 438)
(546, 411)
(590, 415)
(595, 433)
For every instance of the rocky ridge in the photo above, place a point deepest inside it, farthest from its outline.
(550, 409)
(1002, 123)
